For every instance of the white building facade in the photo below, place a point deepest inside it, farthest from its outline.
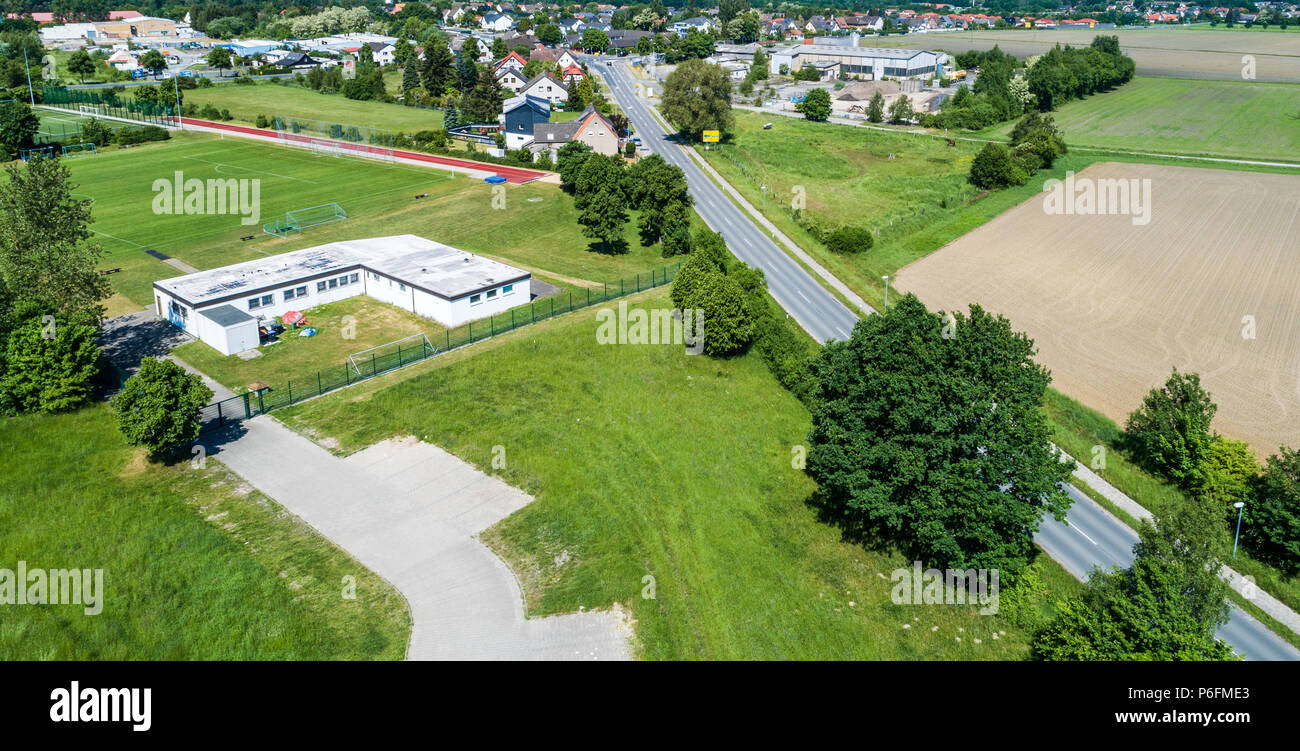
(221, 306)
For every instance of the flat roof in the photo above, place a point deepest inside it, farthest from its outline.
(436, 268)
(844, 49)
(225, 315)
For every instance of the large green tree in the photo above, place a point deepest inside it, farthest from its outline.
(816, 105)
(1273, 513)
(1170, 432)
(50, 366)
(46, 255)
(80, 64)
(928, 432)
(154, 62)
(656, 188)
(697, 97)
(18, 128)
(219, 58)
(159, 406)
(601, 199)
(1166, 606)
(569, 160)
(438, 69)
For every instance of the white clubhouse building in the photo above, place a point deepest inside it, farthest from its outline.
(222, 307)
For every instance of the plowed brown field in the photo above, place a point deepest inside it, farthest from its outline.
(1114, 306)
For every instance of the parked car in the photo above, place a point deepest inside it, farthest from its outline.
(187, 74)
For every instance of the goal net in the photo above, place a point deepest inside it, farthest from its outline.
(299, 219)
(91, 109)
(334, 138)
(394, 354)
(42, 151)
(78, 149)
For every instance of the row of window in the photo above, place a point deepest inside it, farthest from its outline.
(506, 291)
(376, 277)
(301, 292)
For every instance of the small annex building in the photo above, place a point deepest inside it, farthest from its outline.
(223, 307)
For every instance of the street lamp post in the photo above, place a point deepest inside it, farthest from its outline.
(763, 188)
(1239, 505)
(886, 278)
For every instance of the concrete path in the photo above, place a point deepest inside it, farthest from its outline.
(411, 513)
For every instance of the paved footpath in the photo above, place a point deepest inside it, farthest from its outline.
(411, 513)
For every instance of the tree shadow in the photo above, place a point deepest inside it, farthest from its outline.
(614, 248)
(853, 529)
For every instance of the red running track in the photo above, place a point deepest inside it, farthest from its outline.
(515, 175)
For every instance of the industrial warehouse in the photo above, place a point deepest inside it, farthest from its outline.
(872, 63)
(222, 307)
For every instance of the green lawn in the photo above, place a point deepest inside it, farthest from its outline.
(646, 461)
(197, 565)
(1237, 119)
(369, 322)
(267, 98)
(536, 229)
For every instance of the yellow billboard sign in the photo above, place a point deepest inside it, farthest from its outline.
(712, 136)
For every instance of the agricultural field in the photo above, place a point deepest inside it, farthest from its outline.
(196, 564)
(680, 479)
(1208, 285)
(267, 98)
(537, 229)
(1166, 52)
(1237, 119)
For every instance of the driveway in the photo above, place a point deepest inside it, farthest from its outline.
(411, 513)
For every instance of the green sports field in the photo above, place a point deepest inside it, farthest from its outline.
(1236, 119)
(536, 227)
(266, 98)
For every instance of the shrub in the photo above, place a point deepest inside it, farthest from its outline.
(849, 239)
(994, 168)
(262, 121)
(1273, 515)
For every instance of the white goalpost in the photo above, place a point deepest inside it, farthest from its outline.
(394, 354)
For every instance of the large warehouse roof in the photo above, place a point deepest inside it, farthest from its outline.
(440, 269)
(845, 50)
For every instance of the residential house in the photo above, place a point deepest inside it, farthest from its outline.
(496, 22)
(519, 115)
(545, 86)
(591, 128)
(511, 78)
(383, 52)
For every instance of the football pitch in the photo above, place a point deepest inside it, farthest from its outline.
(147, 239)
(133, 216)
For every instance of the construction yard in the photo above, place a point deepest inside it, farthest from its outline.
(1206, 285)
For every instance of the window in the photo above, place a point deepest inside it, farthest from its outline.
(509, 289)
(254, 304)
(491, 294)
(343, 281)
(268, 300)
(334, 283)
(320, 286)
(401, 287)
(475, 299)
(354, 278)
(288, 295)
(302, 292)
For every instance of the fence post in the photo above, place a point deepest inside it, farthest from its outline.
(248, 409)
(399, 355)
(589, 297)
(512, 319)
(471, 332)
(261, 408)
(221, 420)
(448, 338)
(492, 326)
(291, 392)
(604, 291)
(347, 376)
(570, 301)
(638, 282)
(318, 388)
(620, 287)
(373, 371)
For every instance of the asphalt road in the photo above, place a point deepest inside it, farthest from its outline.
(819, 312)
(1092, 537)
(1095, 537)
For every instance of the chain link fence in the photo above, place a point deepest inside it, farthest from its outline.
(253, 403)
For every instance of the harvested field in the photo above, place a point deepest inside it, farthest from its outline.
(1178, 53)
(1113, 305)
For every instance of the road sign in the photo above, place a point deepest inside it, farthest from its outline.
(712, 136)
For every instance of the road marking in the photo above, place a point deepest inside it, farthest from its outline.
(1086, 537)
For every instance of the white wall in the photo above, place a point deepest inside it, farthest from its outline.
(465, 309)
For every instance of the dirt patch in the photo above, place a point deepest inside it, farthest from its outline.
(137, 465)
(1208, 285)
